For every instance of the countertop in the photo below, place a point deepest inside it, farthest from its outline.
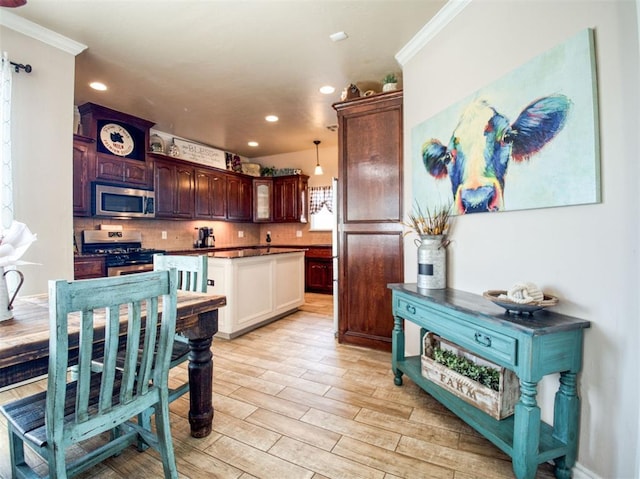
(252, 252)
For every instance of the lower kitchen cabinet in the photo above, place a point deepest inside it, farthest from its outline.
(259, 289)
(318, 270)
(85, 267)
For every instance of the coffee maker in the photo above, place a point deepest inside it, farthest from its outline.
(206, 239)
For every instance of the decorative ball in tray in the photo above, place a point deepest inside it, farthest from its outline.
(521, 298)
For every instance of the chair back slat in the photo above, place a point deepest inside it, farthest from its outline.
(85, 344)
(109, 392)
(192, 270)
(129, 368)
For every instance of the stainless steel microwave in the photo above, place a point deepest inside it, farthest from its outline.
(119, 201)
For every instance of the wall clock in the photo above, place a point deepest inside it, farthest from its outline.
(117, 139)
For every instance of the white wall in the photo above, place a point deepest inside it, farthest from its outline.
(42, 126)
(587, 255)
(306, 161)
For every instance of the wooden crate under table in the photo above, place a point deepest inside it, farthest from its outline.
(498, 404)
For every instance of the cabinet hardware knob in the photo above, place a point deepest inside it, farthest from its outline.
(411, 309)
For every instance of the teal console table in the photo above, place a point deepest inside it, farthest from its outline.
(531, 346)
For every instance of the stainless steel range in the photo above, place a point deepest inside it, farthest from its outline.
(123, 250)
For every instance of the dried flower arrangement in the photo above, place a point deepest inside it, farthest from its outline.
(426, 222)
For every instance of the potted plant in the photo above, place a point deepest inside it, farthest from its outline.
(389, 82)
(433, 228)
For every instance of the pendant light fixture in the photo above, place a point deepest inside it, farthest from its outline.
(318, 170)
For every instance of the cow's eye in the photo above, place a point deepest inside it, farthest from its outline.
(447, 157)
(509, 136)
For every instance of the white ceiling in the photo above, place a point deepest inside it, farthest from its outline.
(211, 70)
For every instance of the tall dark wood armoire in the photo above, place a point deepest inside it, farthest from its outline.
(370, 245)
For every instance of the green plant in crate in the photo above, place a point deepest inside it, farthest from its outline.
(484, 375)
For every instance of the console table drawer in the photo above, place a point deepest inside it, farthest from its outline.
(484, 341)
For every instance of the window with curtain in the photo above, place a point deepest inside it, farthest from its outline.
(320, 208)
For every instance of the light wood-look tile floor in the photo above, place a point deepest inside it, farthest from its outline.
(290, 402)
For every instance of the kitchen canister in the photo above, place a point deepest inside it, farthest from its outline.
(432, 262)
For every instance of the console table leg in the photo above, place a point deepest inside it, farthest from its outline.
(566, 421)
(526, 434)
(200, 387)
(397, 345)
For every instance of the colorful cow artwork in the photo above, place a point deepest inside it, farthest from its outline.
(484, 143)
(527, 140)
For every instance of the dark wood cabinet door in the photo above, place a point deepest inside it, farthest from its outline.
(290, 199)
(82, 156)
(370, 244)
(184, 192)
(173, 189)
(239, 198)
(210, 195)
(318, 275)
(164, 189)
(85, 267)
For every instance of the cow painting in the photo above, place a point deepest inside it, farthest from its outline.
(482, 145)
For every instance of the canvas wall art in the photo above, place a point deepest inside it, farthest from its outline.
(528, 140)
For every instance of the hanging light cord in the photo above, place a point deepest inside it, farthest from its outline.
(318, 169)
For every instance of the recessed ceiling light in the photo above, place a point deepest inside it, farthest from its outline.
(96, 85)
(338, 36)
(327, 89)
(271, 118)
(253, 143)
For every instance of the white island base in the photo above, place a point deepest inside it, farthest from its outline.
(261, 286)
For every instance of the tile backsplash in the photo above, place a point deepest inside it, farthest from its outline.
(181, 235)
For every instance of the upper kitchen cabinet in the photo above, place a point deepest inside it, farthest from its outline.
(120, 145)
(262, 200)
(290, 199)
(239, 198)
(370, 244)
(281, 199)
(174, 187)
(210, 194)
(83, 156)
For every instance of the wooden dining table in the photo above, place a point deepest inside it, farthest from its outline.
(24, 347)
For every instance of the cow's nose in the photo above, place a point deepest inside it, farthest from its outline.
(478, 200)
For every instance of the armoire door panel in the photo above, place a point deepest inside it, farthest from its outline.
(373, 260)
(373, 168)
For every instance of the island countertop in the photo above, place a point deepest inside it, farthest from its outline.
(252, 252)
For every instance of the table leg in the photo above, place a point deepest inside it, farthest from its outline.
(200, 387)
(397, 347)
(566, 421)
(526, 434)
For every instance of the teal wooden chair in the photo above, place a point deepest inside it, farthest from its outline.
(192, 276)
(103, 398)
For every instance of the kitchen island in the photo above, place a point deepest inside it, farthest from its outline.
(261, 285)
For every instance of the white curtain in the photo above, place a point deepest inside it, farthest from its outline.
(6, 175)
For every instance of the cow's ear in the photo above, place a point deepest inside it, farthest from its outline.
(538, 123)
(435, 157)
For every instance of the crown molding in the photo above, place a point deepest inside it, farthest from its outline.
(33, 30)
(431, 29)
